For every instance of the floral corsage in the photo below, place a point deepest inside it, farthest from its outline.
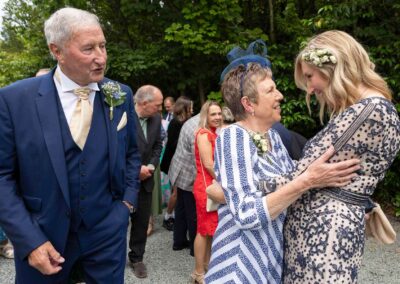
(261, 141)
(113, 94)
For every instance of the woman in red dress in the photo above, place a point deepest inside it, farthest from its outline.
(210, 120)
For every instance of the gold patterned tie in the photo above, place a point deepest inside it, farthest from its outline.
(82, 117)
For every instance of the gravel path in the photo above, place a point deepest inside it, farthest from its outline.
(381, 262)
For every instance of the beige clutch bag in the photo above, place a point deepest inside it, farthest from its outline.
(379, 227)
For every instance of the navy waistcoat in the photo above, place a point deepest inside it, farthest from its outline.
(88, 175)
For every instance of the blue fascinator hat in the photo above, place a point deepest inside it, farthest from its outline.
(256, 52)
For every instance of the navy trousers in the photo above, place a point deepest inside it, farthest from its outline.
(185, 219)
(100, 250)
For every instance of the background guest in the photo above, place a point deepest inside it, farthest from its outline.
(210, 120)
(42, 71)
(227, 117)
(169, 216)
(148, 103)
(182, 111)
(182, 173)
(169, 108)
(156, 199)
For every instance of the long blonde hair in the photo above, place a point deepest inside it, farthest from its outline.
(203, 123)
(353, 67)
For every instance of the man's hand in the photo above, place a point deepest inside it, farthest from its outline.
(46, 259)
(145, 173)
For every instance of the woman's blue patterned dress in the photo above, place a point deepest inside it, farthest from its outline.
(247, 245)
(324, 233)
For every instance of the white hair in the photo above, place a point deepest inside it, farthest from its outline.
(61, 25)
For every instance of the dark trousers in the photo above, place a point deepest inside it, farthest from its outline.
(139, 224)
(101, 252)
(185, 219)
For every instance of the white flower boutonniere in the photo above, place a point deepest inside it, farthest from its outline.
(113, 94)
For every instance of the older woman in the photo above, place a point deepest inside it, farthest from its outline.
(324, 232)
(248, 242)
(210, 120)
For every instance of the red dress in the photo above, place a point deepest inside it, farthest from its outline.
(206, 221)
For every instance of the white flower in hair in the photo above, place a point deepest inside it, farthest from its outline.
(318, 56)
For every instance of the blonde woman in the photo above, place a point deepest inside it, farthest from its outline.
(324, 231)
(210, 120)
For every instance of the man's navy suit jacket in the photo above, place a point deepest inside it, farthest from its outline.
(34, 193)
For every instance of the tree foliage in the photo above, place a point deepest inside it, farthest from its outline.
(180, 45)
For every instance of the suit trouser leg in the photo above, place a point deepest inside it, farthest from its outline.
(191, 219)
(101, 250)
(139, 224)
(185, 219)
(180, 224)
(104, 247)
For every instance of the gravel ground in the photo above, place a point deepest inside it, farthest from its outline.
(381, 262)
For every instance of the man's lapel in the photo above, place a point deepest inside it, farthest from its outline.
(111, 126)
(46, 103)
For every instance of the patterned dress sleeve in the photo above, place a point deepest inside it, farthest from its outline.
(372, 136)
(234, 167)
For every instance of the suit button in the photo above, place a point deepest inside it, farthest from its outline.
(83, 174)
(68, 213)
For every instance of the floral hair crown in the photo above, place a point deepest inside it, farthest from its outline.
(318, 56)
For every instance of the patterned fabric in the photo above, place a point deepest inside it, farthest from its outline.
(182, 170)
(324, 237)
(247, 245)
(206, 221)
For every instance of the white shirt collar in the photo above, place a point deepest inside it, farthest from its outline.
(67, 85)
(68, 99)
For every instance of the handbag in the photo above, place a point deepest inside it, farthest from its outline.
(211, 205)
(379, 227)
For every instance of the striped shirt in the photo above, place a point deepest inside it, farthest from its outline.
(247, 245)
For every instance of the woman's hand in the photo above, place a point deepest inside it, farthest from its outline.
(215, 192)
(321, 174)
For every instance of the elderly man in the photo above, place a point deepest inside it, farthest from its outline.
(182, 173)
(69, 162)
(148, 104)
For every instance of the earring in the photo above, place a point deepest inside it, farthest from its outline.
(252, 113)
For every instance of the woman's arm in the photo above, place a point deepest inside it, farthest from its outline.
(318, 175)
(206, 153)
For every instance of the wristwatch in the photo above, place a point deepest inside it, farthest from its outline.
(130, 207)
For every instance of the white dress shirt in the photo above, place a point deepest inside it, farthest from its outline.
(65, 87)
